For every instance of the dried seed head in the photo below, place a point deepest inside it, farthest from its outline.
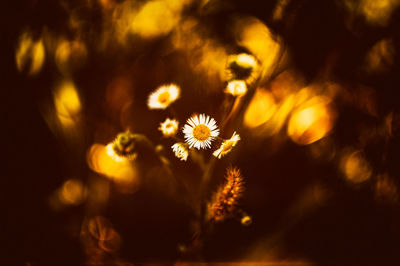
(225, 200)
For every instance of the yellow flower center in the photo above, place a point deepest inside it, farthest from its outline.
(227, 146)
(163, 97)
(201, 132)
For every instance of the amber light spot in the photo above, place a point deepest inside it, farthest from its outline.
(356, 167)
(67, 103)
(261, 108)
(201, 132)
(30, 54)
(246, 220)
(73, 192)
(121, 171)
(312, 121)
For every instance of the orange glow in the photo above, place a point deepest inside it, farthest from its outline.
(380, 57)
(378, 11)
(99, 227)
(286, 84)
(157, 18)
(120, 171)
(107, 4)
(143, 19)
(120, 20)
(73, 192)
(386, 190)
(67, 104)
(311, 121)
(70, 56)
(257, 38)
(375, 12)
(278, 120)
(205, 55)
(212, 60)
(355, 167)
(260, 109)
(30, 52)
(103, 233)
(280, 9)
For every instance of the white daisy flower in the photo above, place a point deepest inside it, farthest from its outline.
(236, 87)
(200, 131)
(163, 96)
(227, 146)
(169, 127)
(180, 150)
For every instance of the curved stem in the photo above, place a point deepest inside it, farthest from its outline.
(172, 112)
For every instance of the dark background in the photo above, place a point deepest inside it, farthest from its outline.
(351, 226)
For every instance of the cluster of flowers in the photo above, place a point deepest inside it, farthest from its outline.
(200, 130)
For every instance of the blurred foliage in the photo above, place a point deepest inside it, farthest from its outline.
(311, 87)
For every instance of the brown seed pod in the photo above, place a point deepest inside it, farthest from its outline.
(226, 198)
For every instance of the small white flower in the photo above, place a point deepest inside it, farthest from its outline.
(227, 146)
(200, 131)
(236, 87)
(169, 127)
(180, 150)
(163, 96)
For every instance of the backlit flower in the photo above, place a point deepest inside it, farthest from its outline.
(236, 87)
(227, 146)
(163, 96)
(181, 151)
(200, 131)
(242, 66)
(123, 147)
(169, 127)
